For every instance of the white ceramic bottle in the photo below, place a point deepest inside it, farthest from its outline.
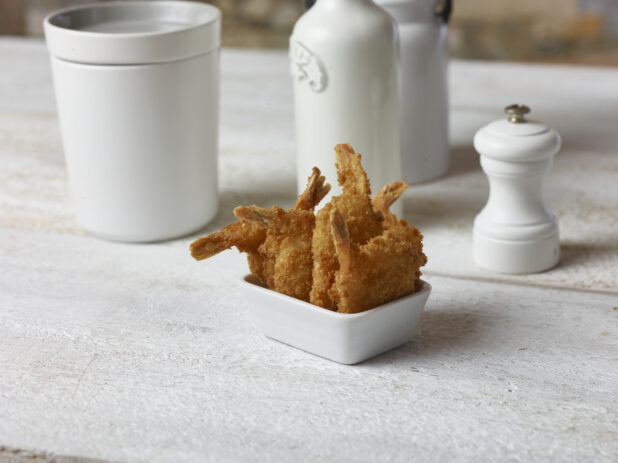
(422, 26)
(343, 57)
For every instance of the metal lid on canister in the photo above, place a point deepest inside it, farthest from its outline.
(133, 32)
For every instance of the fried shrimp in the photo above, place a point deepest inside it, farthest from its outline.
(353, 255)
(286, 251)
(246, 236)
(266, 236)
(385, 198)
(363, 222)
(314, 192)
(383, 269)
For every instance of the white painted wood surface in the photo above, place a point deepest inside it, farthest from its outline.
(138, 353)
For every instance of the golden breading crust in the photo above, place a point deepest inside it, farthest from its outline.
(362, 220)
(286, 251)
(385, 198)
(246, 236)
(383, 269)
(353, 255)
(274, 240)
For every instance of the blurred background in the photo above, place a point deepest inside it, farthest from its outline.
(560, 31)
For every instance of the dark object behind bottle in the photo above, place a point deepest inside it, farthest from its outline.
(444, 8)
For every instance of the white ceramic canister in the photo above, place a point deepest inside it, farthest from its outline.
(344, 62)
(422, 26)
(137, 91)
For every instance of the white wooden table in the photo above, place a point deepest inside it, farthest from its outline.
(138, 353)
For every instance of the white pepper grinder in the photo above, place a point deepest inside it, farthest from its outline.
(515, 233)
(343, 58)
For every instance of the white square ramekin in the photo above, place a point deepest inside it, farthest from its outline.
(344, 338)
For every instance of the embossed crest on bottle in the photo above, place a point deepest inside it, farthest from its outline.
(306, 66)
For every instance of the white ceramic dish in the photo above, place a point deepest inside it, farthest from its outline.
(344, 338)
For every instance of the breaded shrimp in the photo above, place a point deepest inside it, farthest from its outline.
(383, 269)
(314, 192)
(351, 256)
(286, 251)
(362, 220)
(385, 198)
(248, 236)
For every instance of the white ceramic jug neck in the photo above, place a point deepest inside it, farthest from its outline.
(326, 2)
(338, 3)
